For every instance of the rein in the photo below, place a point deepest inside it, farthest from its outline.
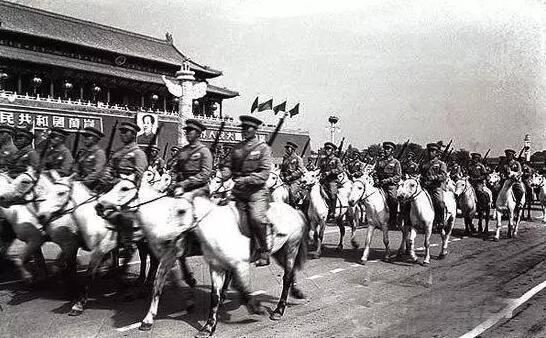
(363, 198)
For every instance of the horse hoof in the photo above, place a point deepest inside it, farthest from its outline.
(363, 261)
(204, 333)
(442, 256)
(276, 316)
(354, 244)
(413, 259)
(339, 248)
(314, 255)
(425, 263)
(145, 326)
(74, 312)
(387, 259)
(496, 239)
(297, 293)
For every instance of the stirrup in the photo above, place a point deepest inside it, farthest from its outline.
(263, 259)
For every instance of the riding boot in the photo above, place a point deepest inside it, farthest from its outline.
(265, 239)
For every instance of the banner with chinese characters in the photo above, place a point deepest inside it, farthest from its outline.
(45, 120)
(227, 136)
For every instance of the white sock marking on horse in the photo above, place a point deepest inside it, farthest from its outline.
(258, 292)
(421, 248)
(314, 277)
(337, 270)
(128, 327)
(506, 312)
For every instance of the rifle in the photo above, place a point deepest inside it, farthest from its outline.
(305, 147)
(76, 143)
(276, 131)
(444, 154)
(340, 147)
(154, 139)
(165, 150)
(345, 154)
(111, 140)
(217, 138)
(520, 153)
(486, 154)
(403, 150)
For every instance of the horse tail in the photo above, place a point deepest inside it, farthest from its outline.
(301, 257)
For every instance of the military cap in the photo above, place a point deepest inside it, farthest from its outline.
(154, 147)
(195, 125)
(176, 148)
(330, 144)
(411, 153)
(291, 144)
(56, 131)
(389, 144)
(250, 121)
(92, 132)
(129, 126)
(478, 155)
(509, 151)
(433, 146)
(4, 128)
(24, 131)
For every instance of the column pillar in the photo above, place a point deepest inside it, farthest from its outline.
(19, 84)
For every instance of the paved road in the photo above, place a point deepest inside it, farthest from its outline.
(344, 299)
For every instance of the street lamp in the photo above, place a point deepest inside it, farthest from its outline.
(154, 98)
(96, 91)
(36, 82)
(527, 147)
(3, 77)
(67, 87)
(332, 128)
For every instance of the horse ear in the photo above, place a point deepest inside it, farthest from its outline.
(54, 174)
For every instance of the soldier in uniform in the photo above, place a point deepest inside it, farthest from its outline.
(250, 164)
(25, 156)
(389, 173)
(410, 168)
(91, 159)
(477, 174)
(433, 177)
(155, 162)
(513, 172)
(311, 163)
(193, 167)
(175, 150)
(356, 166)
(455, 171)
(7, 148)
(291, 171)
(330, 166)
(57, 156)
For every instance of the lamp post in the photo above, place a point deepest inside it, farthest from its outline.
(332, 128)
(36, 82)
(67, 88)
(527, 147)
(3, 77)
(96, 91)
(154, 98)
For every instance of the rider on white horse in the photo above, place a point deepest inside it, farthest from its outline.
(330, 166)
(477, 173)
(434, 177)
(193, 166)
(410, 169)
(291, 171)
(91, 159)
(25, 156)
(250, 164)
(513, 172)
(389, 172)
(155, 162)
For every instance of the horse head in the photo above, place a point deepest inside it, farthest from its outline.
(493, 178)
(310, 178)
(408, 188)
(536, 180)
(361, 186)
(52, 194)
(19, 189)
(274, 179)
(121, 197)
(460, 186)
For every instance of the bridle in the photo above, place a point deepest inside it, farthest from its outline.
(363, 198)
(278, 182)
(417, 192)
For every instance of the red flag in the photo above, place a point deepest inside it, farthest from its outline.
(295, 110)
(267, 105)
(280, 107)
(254, 105)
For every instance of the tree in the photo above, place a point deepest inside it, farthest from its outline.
(461, 156)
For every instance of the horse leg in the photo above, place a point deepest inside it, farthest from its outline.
(187, 275)
(367, 242)
(286, 284)
(217, 280)
(319, 235)
(33, 244)
(97, 256)
(387, 256)
(498, 216)
(295, 291)
(428, 232)
(511, 216)
(165, 264)
(446, 232)
(341, 234)
(411, 244)
(143, 252)
(354, 224)
(404, 243)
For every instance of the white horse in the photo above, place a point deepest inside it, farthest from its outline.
(467, 201)
(279, 190)
(493, 182)
(220, 189)
(317, 211)
(506, 202)
(538, 181)
(377, 211)
(224, 240)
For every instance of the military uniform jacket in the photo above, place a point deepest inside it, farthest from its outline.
(171, 162)
(249, 164)
(388, 171)
(291, 168)
(355, 168)
(24, 157)
(193, 166)
(456, 172)
(513, 166)
(330, 167)
(310, 166)
(527, 171)
(90, 162)
(434, 174)
(477, 173)
(7, 156)
(59, 158)
(410, 168)
(158, 164)
(128, 160)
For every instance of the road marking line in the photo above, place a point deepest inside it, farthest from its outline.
(259, 292)
(434, 245)
(128, 327)
(420, 248)
(505, 313)
(337, 270)
(178, 314)
(457, 239)
(356, 265)
(314, 277)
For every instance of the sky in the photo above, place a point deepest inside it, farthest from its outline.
(428, 70)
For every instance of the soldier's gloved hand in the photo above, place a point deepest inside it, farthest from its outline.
(178, 191)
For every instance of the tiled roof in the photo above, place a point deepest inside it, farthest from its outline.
(37, 22)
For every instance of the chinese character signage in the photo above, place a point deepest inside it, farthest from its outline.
(227, 136)
(45, 120)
